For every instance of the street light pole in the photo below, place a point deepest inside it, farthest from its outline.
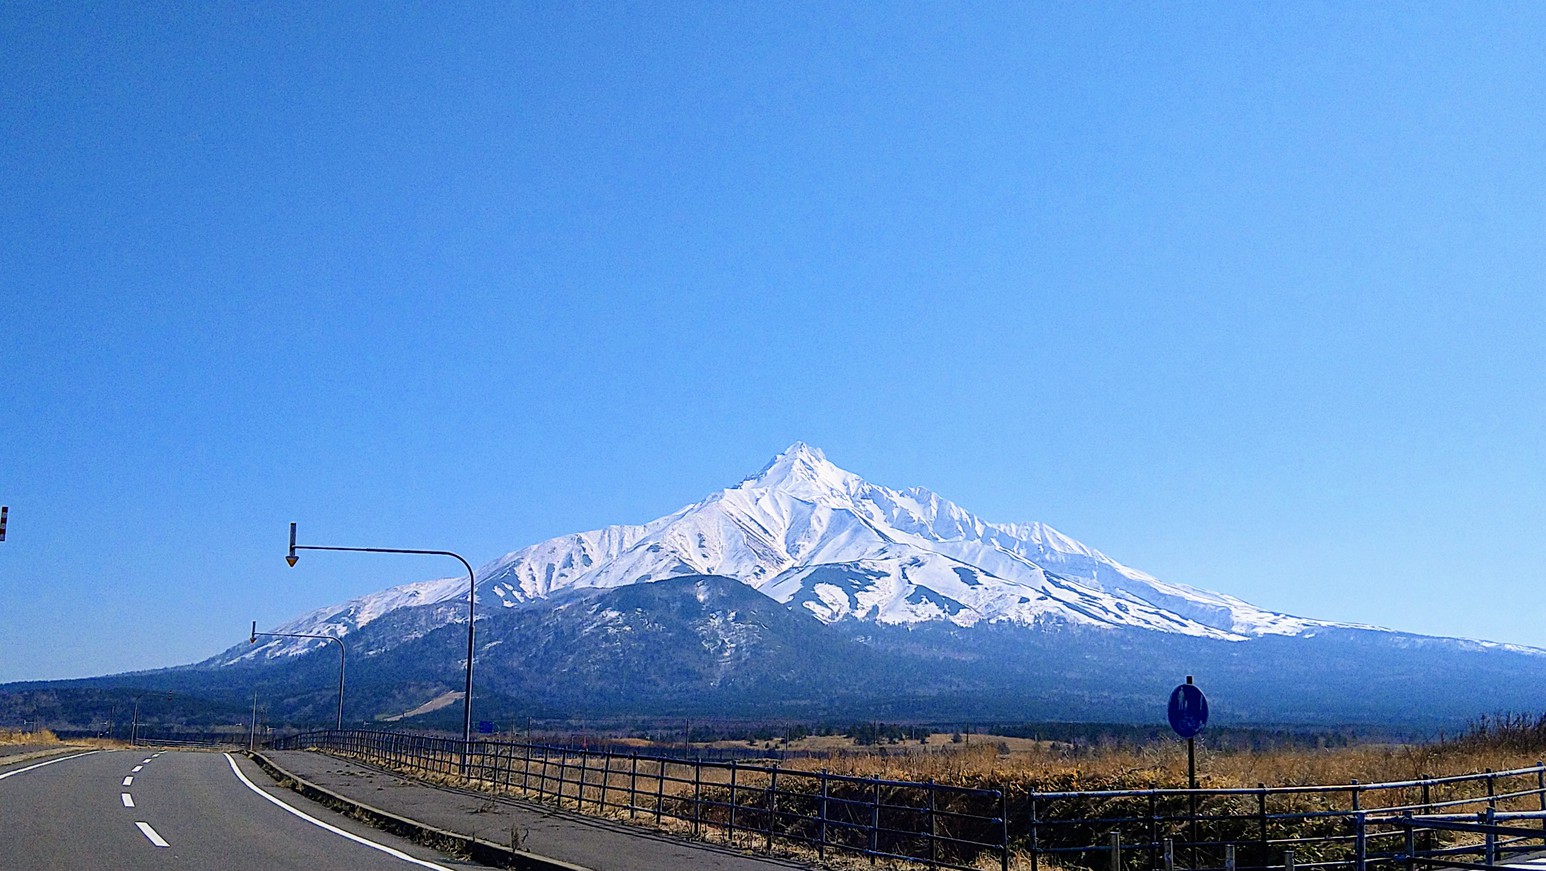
(338, 641)
(472, 585)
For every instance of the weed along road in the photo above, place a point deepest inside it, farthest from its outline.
(148, 809)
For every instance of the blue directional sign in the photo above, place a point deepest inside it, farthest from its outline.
(1188, 710)
(485, 727)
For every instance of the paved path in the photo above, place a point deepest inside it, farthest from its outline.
(142, 810)
(601, 845)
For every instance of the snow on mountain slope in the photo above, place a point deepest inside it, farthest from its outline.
(813, 536)
(338, 621)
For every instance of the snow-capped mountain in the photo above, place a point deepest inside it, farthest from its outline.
(815, 537)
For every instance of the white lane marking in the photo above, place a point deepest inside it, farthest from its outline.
(154, 755)
(334, 829)
(151, 834)
(49, 762)
(128, 800)
(128, 781)
(145, 761)
(136, 769)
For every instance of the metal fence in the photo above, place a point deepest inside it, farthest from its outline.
(1352, 826)
(748, 806)
(1358, 827)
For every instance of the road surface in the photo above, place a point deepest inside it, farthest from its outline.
(145, 810)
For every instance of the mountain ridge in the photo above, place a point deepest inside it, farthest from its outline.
(811, 535)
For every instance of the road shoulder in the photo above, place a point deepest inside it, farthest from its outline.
(498, 830)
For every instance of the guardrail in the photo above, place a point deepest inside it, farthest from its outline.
(1357, 827)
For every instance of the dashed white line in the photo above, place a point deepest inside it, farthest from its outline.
(145, 762)
(334, 829)
(49, 762)
(151, 834)
(128, 781)
(136, 769)
(128, 800)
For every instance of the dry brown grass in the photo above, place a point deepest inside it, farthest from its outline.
(1045, 767)
(46, 738)
(14, 737)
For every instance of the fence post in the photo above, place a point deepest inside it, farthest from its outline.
(606, 779)
(1432, 837)
(579, 791)
(1492, 800)
(633, 786)
(1540, 790)
(1261, 824)
(1003, 828)
(933, 856)
(1035, 835)
(660, 789)
(1229, 857)
(1116, 851)
(772, 805)
(1488, 819)
(1170, 854)
(697, 796)
(1359, 845)
(874, 820)
(1411, 840)
(1288, 860)
(821, 821)
(730, 834)
(1154, 837)
(563, 778)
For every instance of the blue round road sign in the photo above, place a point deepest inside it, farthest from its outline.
(1188, 710)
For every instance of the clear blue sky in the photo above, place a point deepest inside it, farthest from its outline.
(1247, 295)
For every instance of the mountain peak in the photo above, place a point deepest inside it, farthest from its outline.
(804, 471)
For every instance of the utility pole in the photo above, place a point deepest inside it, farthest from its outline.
(3, 511)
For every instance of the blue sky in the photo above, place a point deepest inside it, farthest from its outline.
(1246, 295)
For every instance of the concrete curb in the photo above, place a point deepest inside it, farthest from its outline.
(479, 850)
(39, 754)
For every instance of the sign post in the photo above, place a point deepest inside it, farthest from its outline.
(1188, 713)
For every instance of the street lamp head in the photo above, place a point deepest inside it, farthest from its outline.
(292, 559)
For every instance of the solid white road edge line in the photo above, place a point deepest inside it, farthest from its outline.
(128, 800)
(151, 834)
(332, 828)
(49, 762)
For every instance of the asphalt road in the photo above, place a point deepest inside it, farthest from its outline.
(143, 810)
